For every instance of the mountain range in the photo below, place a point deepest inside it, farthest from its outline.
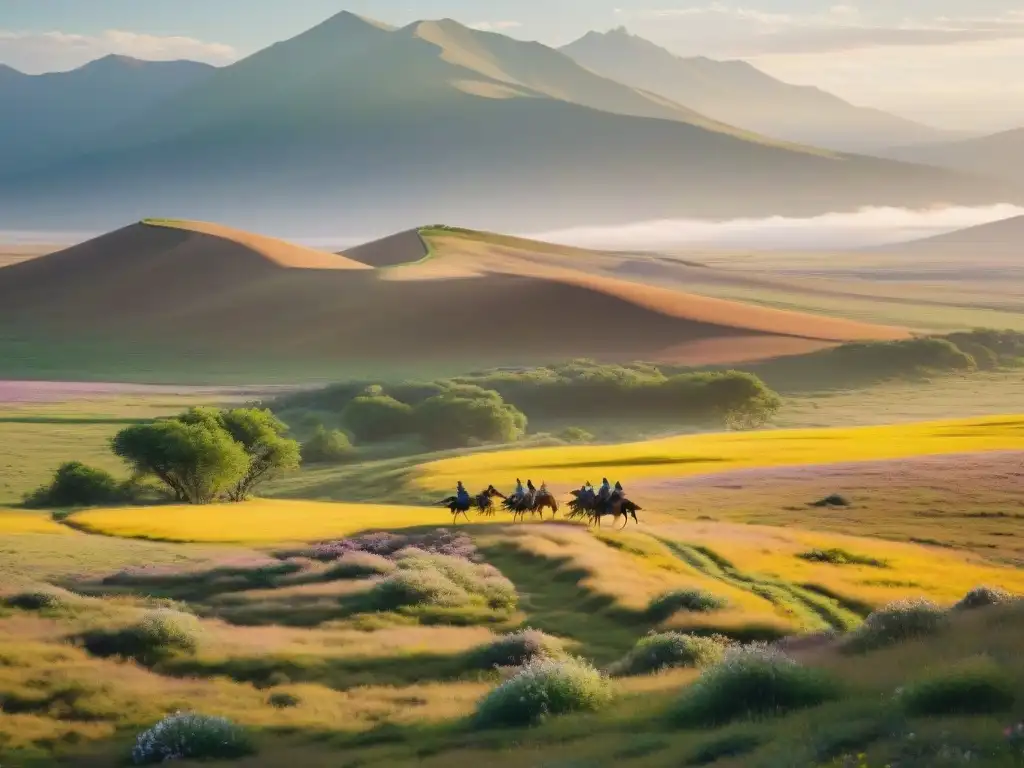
(1000, 155)
(357, 127)
(736, 92)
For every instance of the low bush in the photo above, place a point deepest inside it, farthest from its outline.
(982, 597)
(375, 418)
(837, 556)
(696, 600)
(895, 623)
(750, 681)
(157, 636)
(414, 588)
(575, 435)
(479, 580)
(666, 650)
(40, 600)
(282, 700)
(543, 688)
(358, 565)
(976, 687)
(190, 736)
(327, 447)
(516, 649)
(76, 485)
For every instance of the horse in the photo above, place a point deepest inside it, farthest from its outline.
(586, 503)
(482, 501)
(485, 500)
(534, 501)
(544, 499)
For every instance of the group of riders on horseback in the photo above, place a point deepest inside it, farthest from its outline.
(587, 502)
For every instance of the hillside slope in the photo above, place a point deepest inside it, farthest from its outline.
(1000, 155)
(196, 290)
(999, 238)
(312, 135)
(738, 93)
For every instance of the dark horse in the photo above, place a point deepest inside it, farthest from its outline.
(586, 503)
(483, 501)
(533, 501)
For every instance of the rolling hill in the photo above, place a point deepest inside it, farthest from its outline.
(1003, 238)
(740, 94)
(999, 155)
(58, 111)
(181, 290)
(358, 127)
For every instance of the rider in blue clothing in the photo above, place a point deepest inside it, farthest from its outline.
(520, 491)
(606, 488)
(461, 493)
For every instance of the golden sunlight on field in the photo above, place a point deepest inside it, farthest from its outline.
(710, 453)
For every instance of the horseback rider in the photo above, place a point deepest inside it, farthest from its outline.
(532, 490)
(520, 492)
(461, 494)
(605, 491)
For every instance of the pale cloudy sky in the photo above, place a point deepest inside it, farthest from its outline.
(954, 63)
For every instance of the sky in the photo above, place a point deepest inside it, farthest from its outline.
(949, 63)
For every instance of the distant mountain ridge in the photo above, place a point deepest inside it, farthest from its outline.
(999, 155)
(354, 125)
(736, 92)
(64, 108)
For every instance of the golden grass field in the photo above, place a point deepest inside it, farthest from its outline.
(720, 452)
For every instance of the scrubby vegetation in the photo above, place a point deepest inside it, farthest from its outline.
(517, 649)
(157, 636)
(190, 736)
(974, 687)
(982, 597)
(668, 604)
(666, 650)
(327, 446)
(76, 485)
(753, 680)
(837, 556)
(543, 688)
(897, 622)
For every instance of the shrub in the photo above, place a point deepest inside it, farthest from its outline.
(38, 600)
(191, 736)
(358, 565)
(160, 634)
(283, 700)
(841, 557)
(543, 688)
(753, 680)
(76, 485)
(453, 420)
(408, 588)
(895, 623)
(576, 435)
(480, 580)
(375, 418)
(516, 649)
(666, 650)
(977, 687)
(326, 446)
(982, 597)
(696, 600)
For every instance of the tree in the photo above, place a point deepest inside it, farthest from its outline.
(261, 435)
(326, 446)
(76, 485)
(374, 418)
(197, 461)
(450, 420)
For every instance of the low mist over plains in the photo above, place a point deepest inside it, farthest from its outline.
(830, 231)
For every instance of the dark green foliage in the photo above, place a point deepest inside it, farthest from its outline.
(159, 635)
(982, 597)
(466, 416)
(838, 556)
(721, 747)
(516, 649)
(76, 485)
(576, 435)
(326, 447)
(668, 650)
(664, 606)
(191, 736)
(752, 681)
(283, 700)
(977, 687)
(895, 623)
(375, 418)
(37, 600)
(833, 500)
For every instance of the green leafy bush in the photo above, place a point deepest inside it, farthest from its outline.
(695, 600)
(358, 565)
(976, 687)
(457, 418)
(76, 485)
(190, 736)
(750, 681)
(40, 600)
(516, 649)
(543, 688)
(157, 636)
(376, 418)
(327, 447)
(895, 623)
(667, 650)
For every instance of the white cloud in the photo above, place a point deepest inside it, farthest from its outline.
(494, 26)
(35, 52)
(866, 227)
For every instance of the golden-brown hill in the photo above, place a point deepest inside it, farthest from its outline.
(442, 296)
